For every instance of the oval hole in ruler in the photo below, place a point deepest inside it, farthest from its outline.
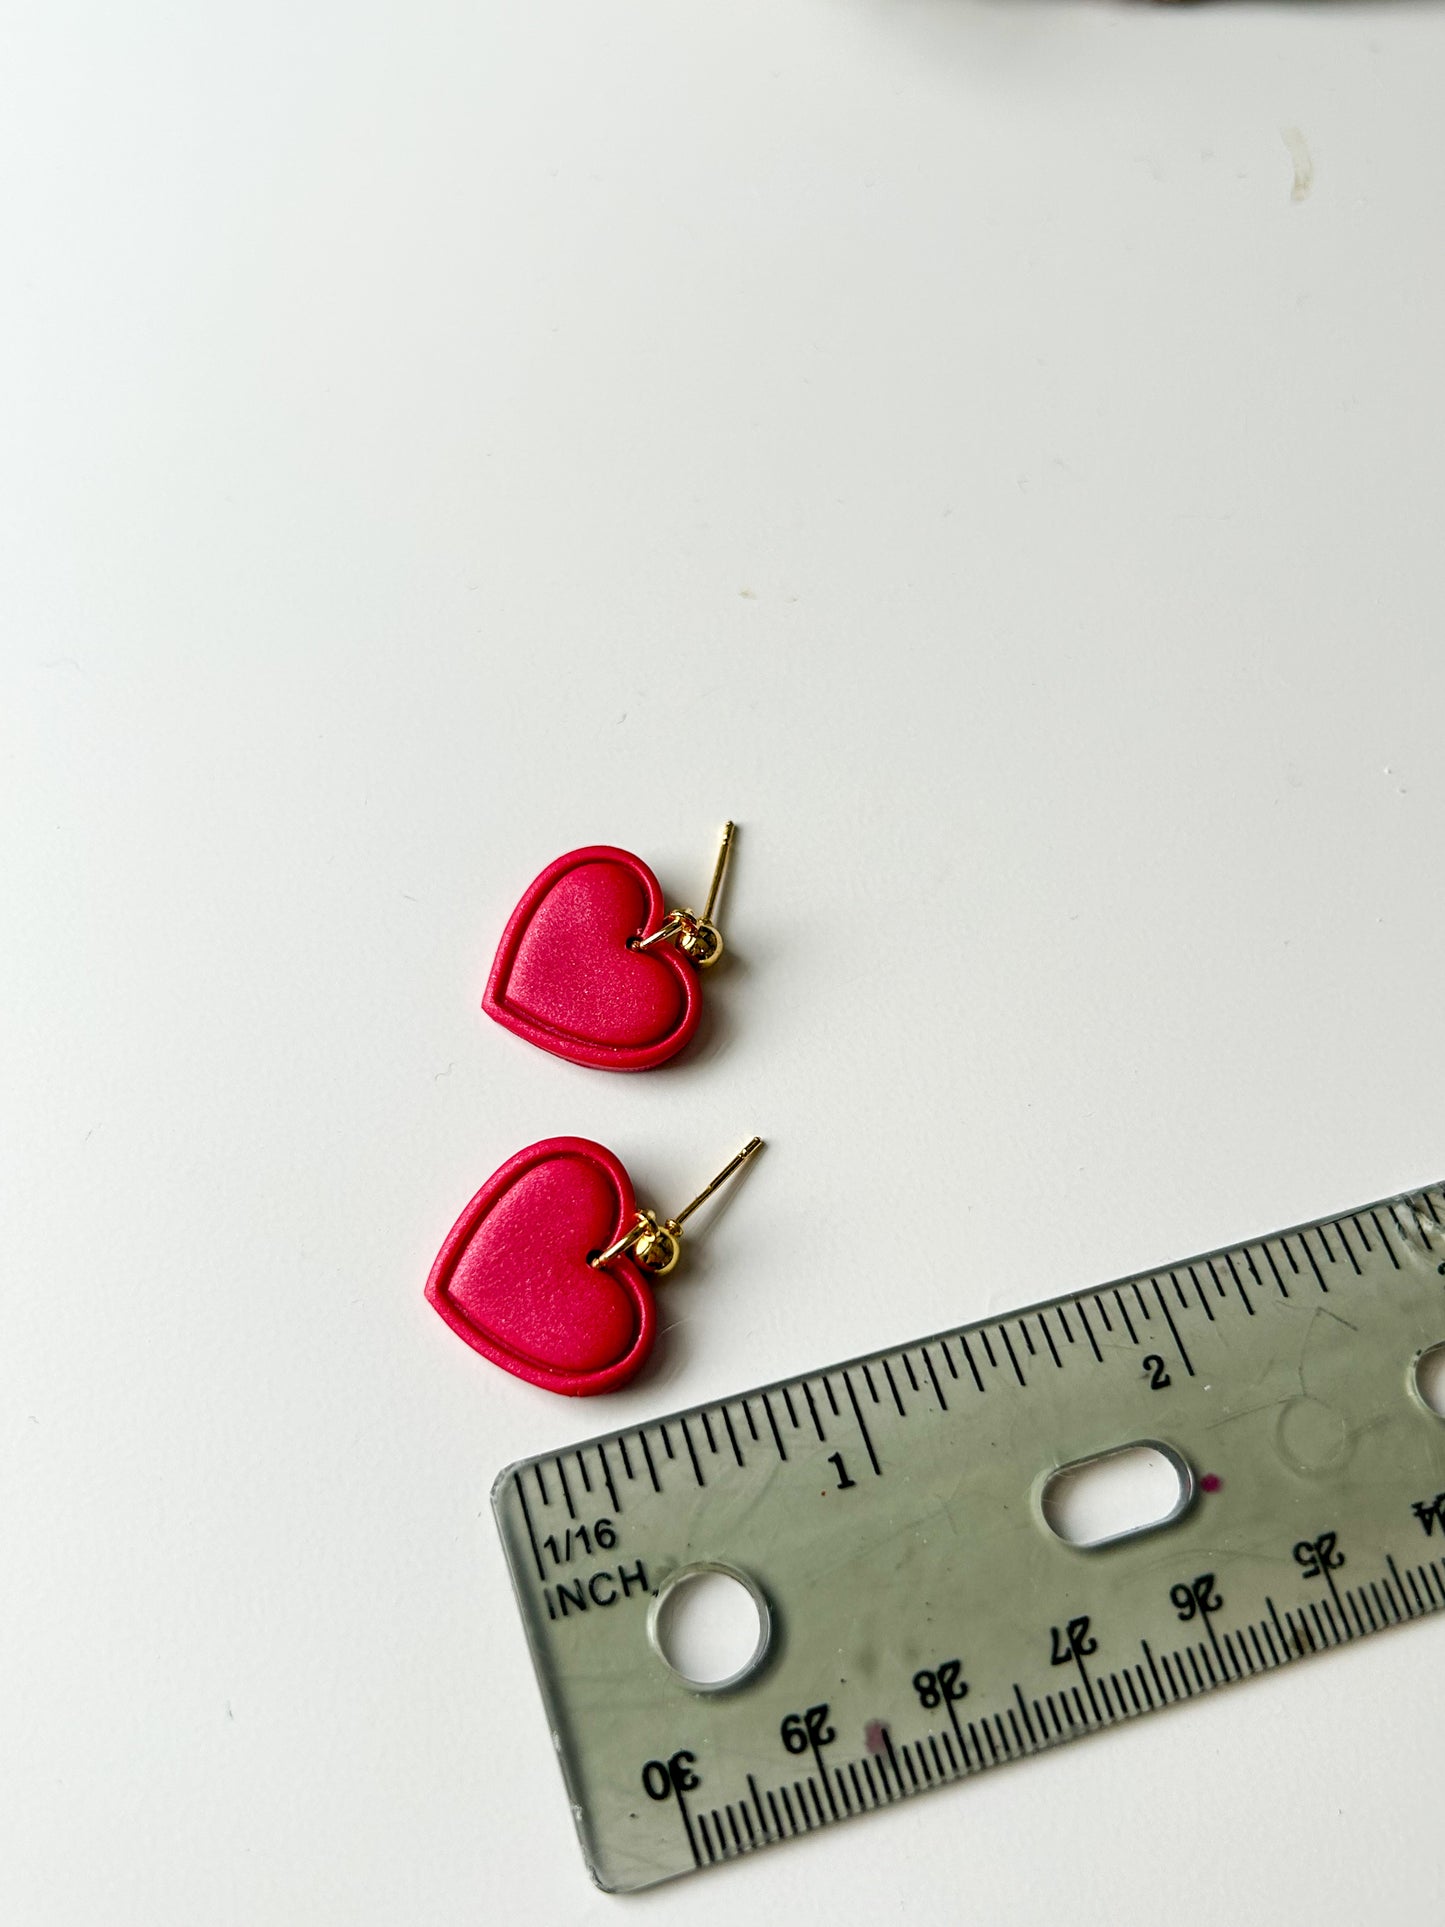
(1115, 1495)
(711, 1625)
(1430, 1380)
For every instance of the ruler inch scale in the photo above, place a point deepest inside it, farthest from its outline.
(923, 1622)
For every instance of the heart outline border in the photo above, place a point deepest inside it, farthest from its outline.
(570, 1384)
(575, 1050)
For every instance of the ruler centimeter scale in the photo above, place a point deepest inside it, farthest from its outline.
(921, 1619)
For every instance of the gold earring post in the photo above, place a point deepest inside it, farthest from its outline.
(656, 1244)
(697, 937)
(724, 850)
(750, 1149)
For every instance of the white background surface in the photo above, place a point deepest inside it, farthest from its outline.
(434, 437)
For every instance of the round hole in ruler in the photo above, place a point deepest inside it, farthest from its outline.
(1114, 1495)
(1430, 1380)
(710, 1623)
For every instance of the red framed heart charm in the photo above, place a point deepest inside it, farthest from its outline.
(514, 1277)
(547, 1271)
(593, 967)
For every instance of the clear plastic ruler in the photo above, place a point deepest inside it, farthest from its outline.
(922, 1620)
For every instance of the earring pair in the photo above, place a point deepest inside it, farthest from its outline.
(548, 1271)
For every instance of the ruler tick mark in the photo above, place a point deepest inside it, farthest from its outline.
(1304, 1247)
(937, 1388)
(1283, 1287)
(1028, 1723)
(1207, 1308)
(1053, 1348)
(758, 1805)
(892, 1760)
(1385, 1242)
(862, 1428)
(1124, 1314)
(963, 1342)
(1174, 1329)
(1089, 1332)
(1274, 1615)
(566, 1489)
(691, 1452)
(893, 1387)
(777, 1435)
(531, 1535)
(1012, 1359)
(1400, 1586)
(607, 1476)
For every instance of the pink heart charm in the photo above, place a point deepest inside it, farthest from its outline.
(566, 980)
(513, 1277)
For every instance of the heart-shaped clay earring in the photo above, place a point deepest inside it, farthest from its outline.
(594, 968)
(547, 1272)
